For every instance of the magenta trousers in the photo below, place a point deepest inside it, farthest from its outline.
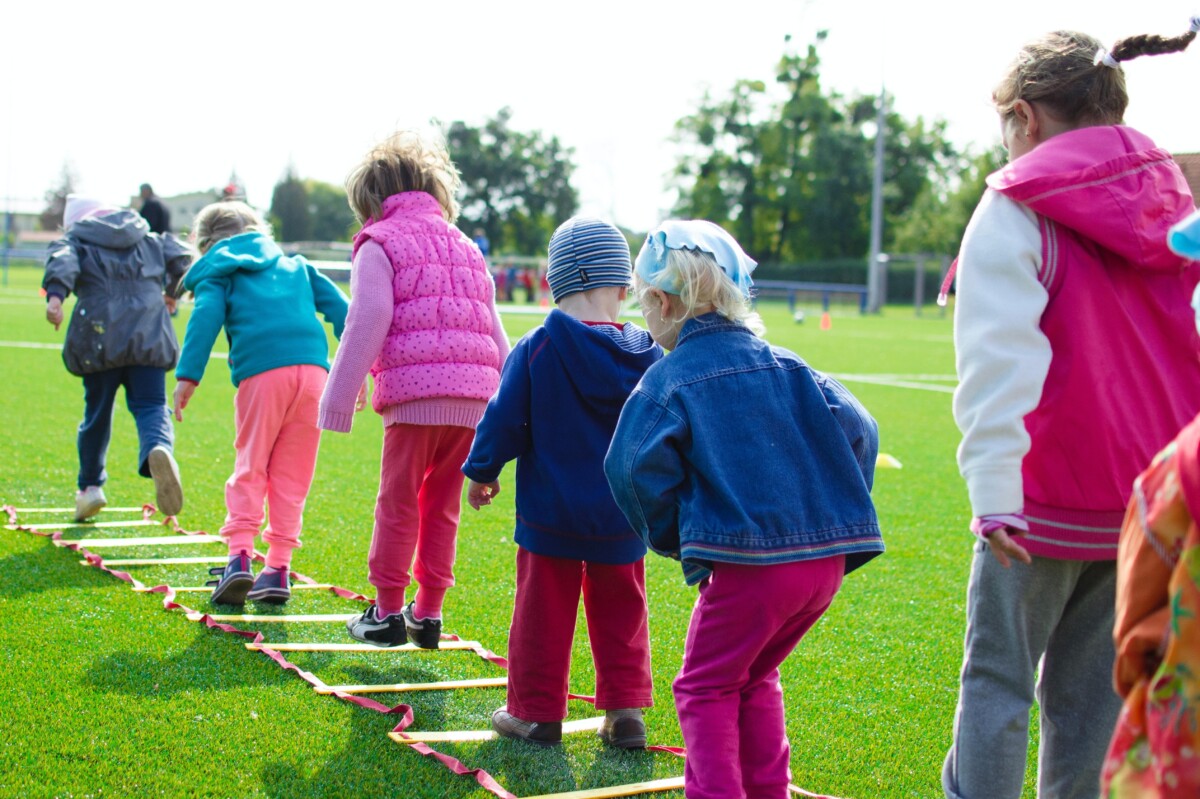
(275, 416)
(416, 512)
(543, 632)
(746, 621)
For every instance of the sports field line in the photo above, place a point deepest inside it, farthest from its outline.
(50, 345)
(155, 541)
(894, 381)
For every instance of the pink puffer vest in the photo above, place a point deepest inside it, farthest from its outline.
(440, 342)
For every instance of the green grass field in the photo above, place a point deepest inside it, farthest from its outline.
(108, 694)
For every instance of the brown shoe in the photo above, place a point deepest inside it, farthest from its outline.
(542, 733)
(624, 729)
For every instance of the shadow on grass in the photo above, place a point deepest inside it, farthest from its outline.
(45, 568)
(209, 661)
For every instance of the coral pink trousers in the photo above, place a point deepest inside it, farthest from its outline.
(746, 621)
(275, 415)
(416, 513)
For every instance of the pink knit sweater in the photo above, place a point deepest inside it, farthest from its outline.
(372, 307)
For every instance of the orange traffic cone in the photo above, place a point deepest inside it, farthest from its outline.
(826, 322)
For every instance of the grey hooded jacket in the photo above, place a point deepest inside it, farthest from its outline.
(118, 270)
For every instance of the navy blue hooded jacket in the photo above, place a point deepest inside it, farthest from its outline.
(561, 393)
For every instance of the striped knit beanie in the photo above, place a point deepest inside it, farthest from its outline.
(586, 253)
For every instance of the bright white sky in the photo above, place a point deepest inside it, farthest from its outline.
(178, 94)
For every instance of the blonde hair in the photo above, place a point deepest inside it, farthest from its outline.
(405, 161)
(223, 219)
(1064, 71)
(703, 283)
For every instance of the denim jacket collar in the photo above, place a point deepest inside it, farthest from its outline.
(711, 322)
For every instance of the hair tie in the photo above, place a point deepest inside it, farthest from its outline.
(1104, 57)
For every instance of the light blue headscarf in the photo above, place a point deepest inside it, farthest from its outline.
(692, 234)
(1184, 237)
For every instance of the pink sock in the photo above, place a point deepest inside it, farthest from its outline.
(388, 601)
(240, 542)
(428, 604)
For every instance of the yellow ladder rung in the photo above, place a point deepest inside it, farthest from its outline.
(631, 789)
(149, 541)
(88, 525)
(199, 589)
(157, 561)
(280, 619)
(408, 737)
(403, 687)
(327, 647)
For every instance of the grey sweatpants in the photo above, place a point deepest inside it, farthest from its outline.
(1061, 613)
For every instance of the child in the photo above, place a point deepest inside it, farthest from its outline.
(120, 335)
(754, 471)
(278, 359)
(1155, 749)
(423, 320)
(560, 395)
(1076, 359)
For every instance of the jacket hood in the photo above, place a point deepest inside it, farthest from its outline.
(596, 360)
(1108, 183)
(118, 230)
(248, 252)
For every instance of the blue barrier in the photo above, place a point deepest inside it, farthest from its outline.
(826, 290)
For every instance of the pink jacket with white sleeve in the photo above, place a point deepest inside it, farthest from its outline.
(1076, 344)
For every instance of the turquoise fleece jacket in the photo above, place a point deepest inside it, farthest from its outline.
(267, 303)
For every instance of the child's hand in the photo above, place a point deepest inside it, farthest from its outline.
(183, 395)
(54, 313)
(480, 494)
(1004, 547)
(361, 401)
(170, 302)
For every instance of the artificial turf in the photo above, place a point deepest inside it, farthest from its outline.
(107, 694)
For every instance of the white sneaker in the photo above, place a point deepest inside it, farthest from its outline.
(168, 491)
(88, 502)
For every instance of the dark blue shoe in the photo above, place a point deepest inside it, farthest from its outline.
(236, 580)
(274, 588)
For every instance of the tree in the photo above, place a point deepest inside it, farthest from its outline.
(290, 214)
(331, 217)
(787, 168)
(939, 216)
(516, 185)
(51, 217)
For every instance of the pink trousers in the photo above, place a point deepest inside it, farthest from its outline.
(746, 621)
(275, 416)
(416, 512)
(543, 632)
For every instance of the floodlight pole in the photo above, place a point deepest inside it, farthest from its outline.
(875, 263)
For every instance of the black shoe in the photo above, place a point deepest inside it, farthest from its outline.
(370, 629)
(425, 633)
(274, 588)
(235, 582)
(542, 733)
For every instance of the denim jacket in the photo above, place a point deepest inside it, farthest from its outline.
(733, 451)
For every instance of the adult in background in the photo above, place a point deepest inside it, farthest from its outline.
(154, 212)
